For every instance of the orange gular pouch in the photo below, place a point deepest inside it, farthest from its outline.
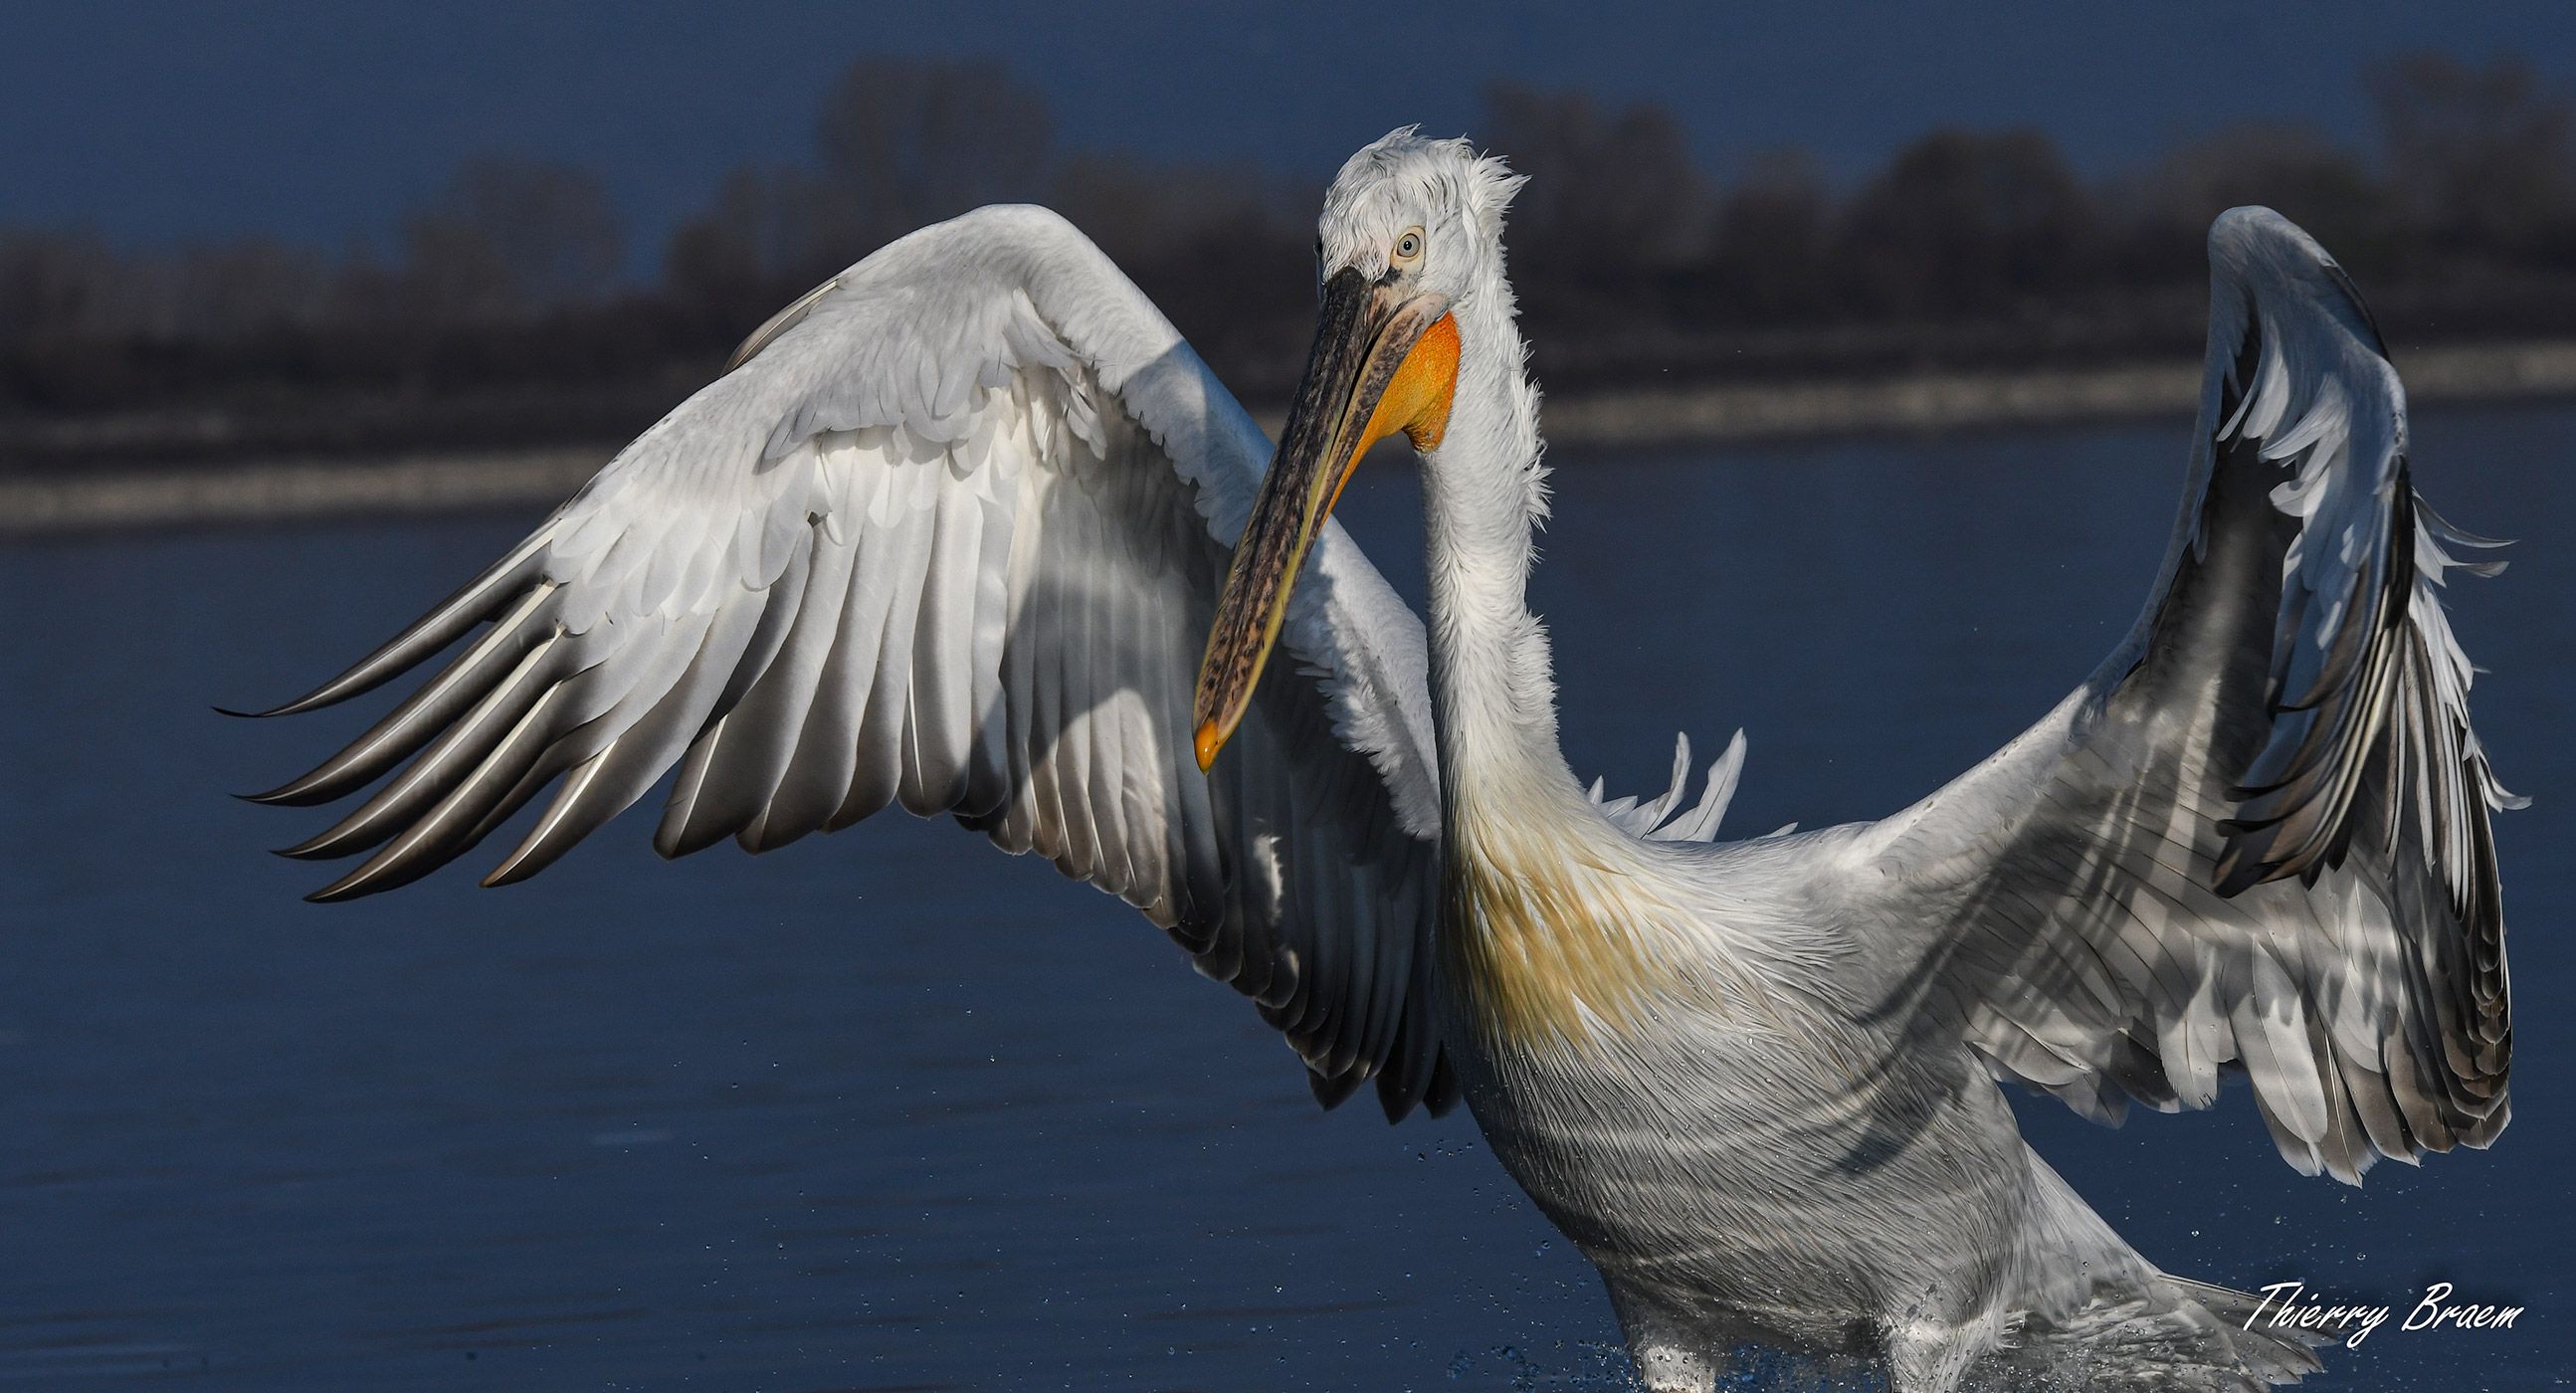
(1417, 398)
(1320, 449)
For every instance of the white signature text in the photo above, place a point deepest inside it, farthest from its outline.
(2286, 1307)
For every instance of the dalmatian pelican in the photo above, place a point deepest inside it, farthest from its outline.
(970, 529)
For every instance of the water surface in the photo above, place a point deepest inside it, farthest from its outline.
(887, 1110)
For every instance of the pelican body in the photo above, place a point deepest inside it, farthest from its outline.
(970, 528)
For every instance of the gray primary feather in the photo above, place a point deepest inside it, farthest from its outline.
(2258, 837)
(947, 534)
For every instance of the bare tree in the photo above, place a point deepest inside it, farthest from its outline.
(756, 244)
(58, 287)
(2480, 156)
(902, 143)
(222, 291)
(898, 144)
(509, 237)
(2163, 212)
(1614, 200)
(1226, 251)
(1771, 253)
(1625, 254)
(1967, 223)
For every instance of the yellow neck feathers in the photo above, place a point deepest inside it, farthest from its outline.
(1551, 945)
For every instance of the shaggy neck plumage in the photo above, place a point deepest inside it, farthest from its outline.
(1493, 689)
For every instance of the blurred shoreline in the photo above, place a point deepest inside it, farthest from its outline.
(290, 487)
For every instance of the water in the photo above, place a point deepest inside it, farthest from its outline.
(887, 1110)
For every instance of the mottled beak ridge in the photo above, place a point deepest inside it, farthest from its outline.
(1385, 359)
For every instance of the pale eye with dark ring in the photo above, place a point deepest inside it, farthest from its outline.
(1408, 246)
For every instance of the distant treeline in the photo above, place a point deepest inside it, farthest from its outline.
(506, 293)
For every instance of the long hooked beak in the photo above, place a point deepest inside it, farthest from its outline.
(1385, 359)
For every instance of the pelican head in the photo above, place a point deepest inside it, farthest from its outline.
(1411, 229)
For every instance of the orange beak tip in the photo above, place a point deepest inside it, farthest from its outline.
(1210, 740)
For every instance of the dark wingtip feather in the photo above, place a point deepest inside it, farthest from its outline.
(386, 870)
(352, 886)
(2235, 879)
(303, 791)
(2245, 860)
(1443, 1093)
(532, 856)
(1334, 1091)
(689, 841)
(319, 697)
(324, 846)
(390, 869)
(313, 700)
(472, 603)
(509, 872)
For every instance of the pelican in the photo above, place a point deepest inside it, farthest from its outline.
(969, 528)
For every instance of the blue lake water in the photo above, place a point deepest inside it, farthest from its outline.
(890, 1111)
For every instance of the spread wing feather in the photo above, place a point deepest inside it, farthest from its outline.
(949, 535)
(2258, 837)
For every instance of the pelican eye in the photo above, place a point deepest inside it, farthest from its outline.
(1408, 248)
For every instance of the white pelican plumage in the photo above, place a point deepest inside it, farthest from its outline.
(957, 530)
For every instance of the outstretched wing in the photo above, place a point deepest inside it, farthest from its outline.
(2258, 836)
(949, 534)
